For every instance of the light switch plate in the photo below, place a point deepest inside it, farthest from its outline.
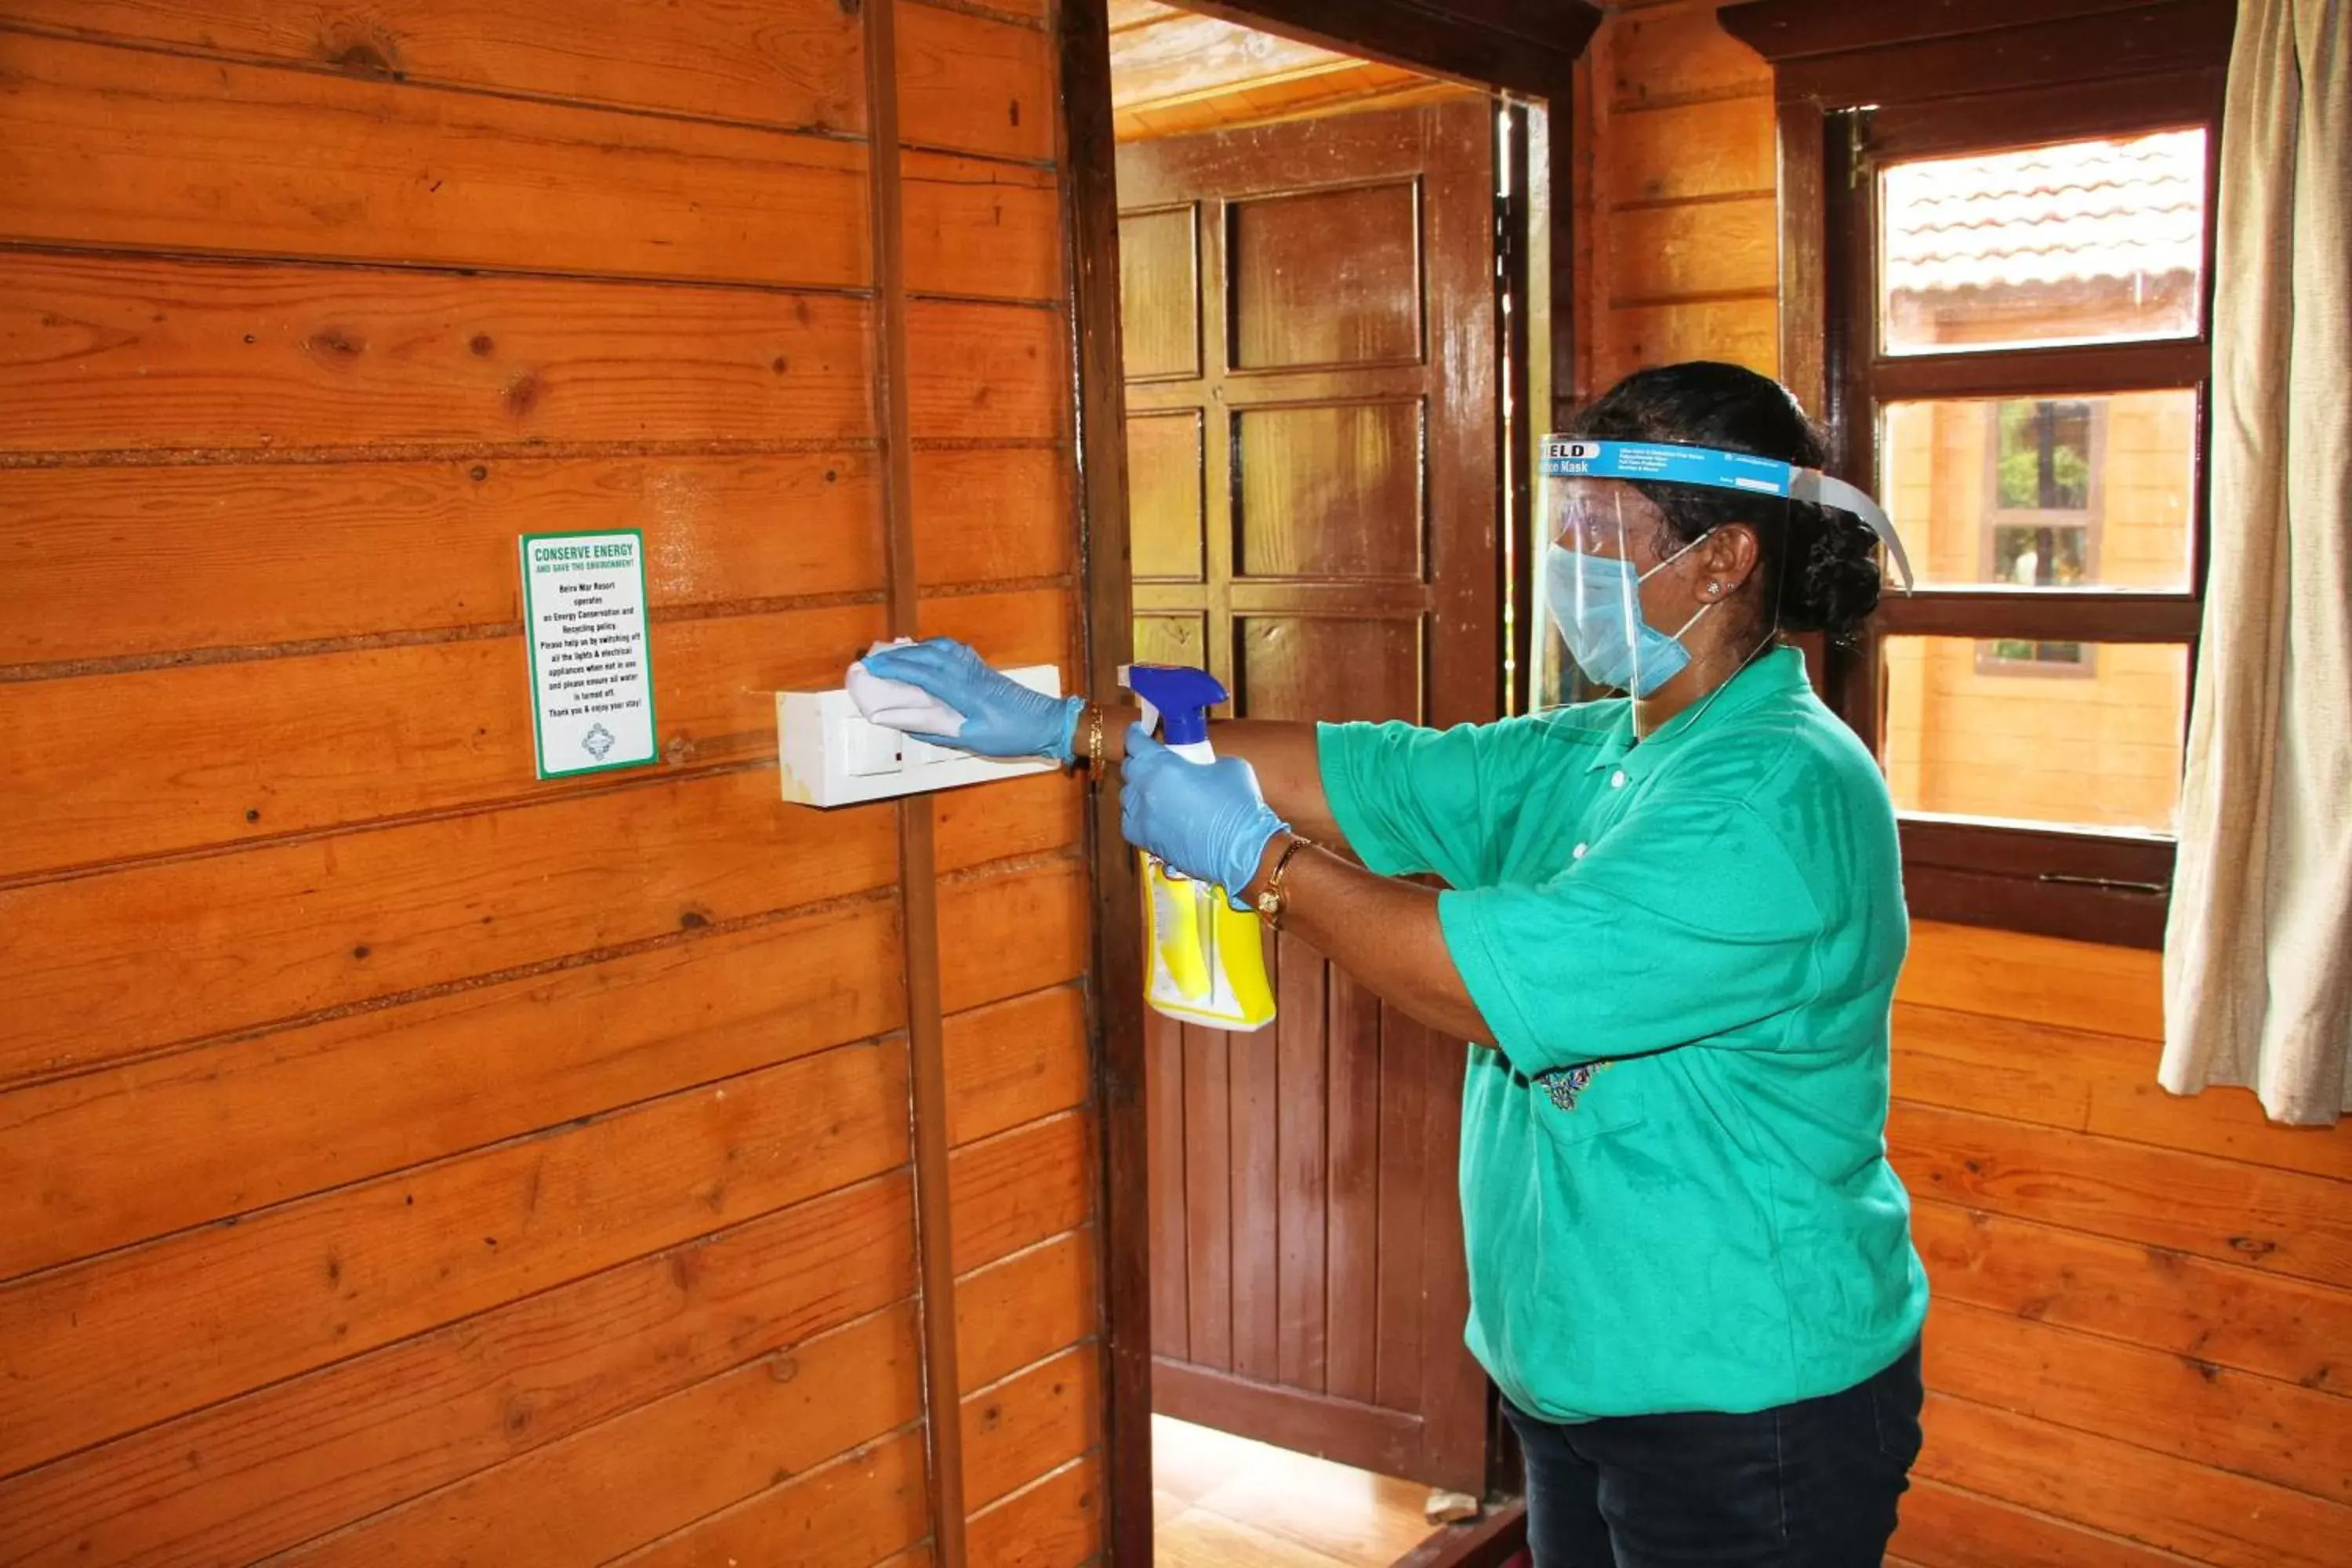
(828, 755)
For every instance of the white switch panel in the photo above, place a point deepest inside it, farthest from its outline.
(829, 755)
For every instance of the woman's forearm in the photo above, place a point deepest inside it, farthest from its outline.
(1281, 752)
(1381, 929)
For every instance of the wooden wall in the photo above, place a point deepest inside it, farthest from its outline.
(2143, 1305)
(1676, 224)
(403, 1159)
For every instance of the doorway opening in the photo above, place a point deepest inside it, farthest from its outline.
(1324, 308)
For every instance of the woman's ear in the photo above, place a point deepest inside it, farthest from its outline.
(1725, 559)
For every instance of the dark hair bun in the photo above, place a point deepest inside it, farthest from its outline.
(1832, 572)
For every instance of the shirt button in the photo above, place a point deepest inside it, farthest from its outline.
(1617, 779)
(1578, 853)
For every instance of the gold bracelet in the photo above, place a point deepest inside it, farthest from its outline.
(1270, 902)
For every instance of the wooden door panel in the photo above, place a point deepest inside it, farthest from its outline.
(1312, 429)
(1298, 666)
(1326, 277)
(1330, 491)
(1160, 292)
(1164, 496)
(1181, 638)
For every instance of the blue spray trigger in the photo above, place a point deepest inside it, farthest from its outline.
(1182, 694)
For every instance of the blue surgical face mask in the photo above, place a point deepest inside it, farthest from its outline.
(1596, 602)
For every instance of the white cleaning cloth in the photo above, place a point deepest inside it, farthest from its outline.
(894, 705)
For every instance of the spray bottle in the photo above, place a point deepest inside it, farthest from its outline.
(1206, 959)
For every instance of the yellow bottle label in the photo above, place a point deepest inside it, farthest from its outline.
(1207, 959)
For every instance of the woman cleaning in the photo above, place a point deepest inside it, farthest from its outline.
(1670, 929)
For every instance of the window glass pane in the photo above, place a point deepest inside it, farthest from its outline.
(2082, 242)
(2057, 492)
(2074, 733)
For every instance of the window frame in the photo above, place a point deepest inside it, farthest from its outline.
(1867, 84)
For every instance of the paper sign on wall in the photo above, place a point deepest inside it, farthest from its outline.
(592, 672)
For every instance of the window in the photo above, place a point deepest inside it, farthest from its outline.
(1995, 288)
(2016, 323)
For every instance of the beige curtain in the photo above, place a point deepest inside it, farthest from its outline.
(2258, 959)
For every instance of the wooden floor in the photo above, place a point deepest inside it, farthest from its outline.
(1222, 1501)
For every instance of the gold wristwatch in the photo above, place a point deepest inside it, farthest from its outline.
(1269, 902)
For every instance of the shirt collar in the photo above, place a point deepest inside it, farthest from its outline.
(1777, 676)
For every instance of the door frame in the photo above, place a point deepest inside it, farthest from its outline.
(1526, 47)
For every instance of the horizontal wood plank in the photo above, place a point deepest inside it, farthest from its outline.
(152, 761)
(2278, 1221)
(134, 150)
(987, 371)
(1030, 1424)
(297, 927)
(1674, 252)
(2036, 979)
(1030, 627)
(1678, 53)
(144, 762)
(1942, 1527)
(238, 1480)
(2295, 1438)
(112, 966)
(975, 84)
(2093, 1083)
(1742, 331)
(791, 63)
(1007, 1063)
(851, 1513)
(255, 1121)
(1053, 1523)
(96, 1349)
(1016, 1313)
(111, 353)
(991, 513)
(598, 1493)
(981, 230)
(1019, 1188)
(1708, 149)
(115, 562)
(2216, 1314)
(2209, 1516)
(1044, 916)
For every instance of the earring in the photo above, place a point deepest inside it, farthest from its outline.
(1714, 588)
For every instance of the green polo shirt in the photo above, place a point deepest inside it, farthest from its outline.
(1675, 1186)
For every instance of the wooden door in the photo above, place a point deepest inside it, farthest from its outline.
(1310, 335)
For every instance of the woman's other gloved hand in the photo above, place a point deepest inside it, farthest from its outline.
(1206, 819)
(1002, 718)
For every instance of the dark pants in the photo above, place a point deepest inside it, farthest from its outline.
(1809, 1485)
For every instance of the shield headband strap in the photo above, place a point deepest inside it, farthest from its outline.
(1568, 457)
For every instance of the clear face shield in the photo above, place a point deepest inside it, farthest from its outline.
(1628, 599)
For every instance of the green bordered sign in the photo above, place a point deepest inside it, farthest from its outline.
(591, 667)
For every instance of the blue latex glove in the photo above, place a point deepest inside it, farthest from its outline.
(1206, 819)
(1002, 718)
